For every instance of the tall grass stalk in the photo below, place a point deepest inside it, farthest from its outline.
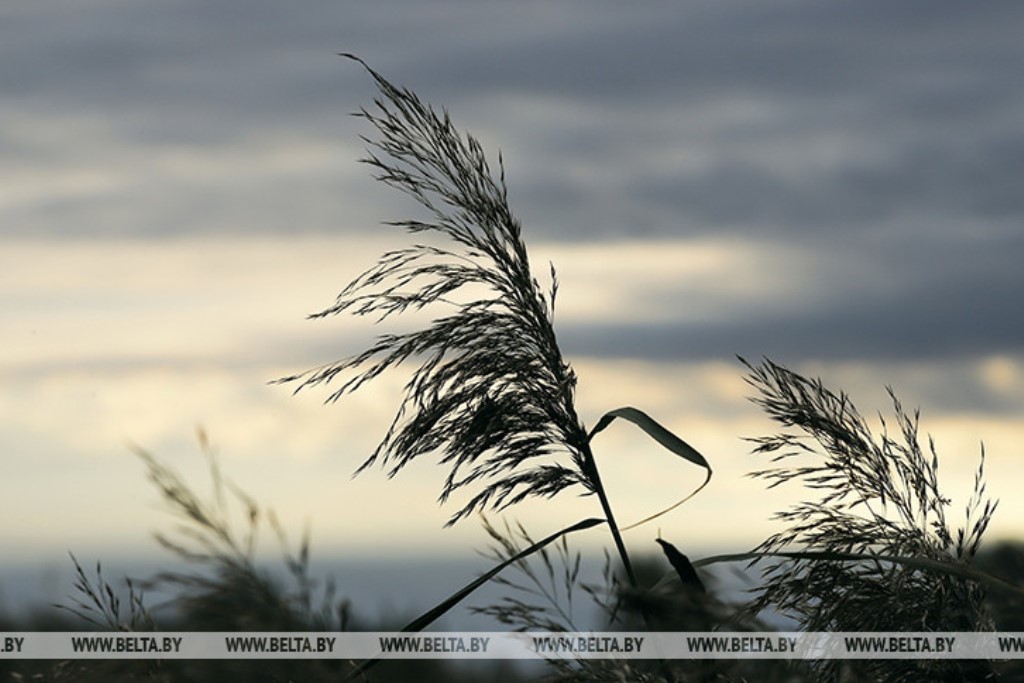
(491, 394)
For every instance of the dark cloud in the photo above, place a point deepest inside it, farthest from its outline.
(932, 90)
(961, 300)
(881, 131)
(946, 182)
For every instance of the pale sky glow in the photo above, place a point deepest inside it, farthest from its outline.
(140, 343)
(833, 185)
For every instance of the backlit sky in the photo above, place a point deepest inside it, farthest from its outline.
(835, 185)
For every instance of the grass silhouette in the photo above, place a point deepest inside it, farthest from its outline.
(492, 397)
(491, 393)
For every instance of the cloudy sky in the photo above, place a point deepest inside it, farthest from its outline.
(834, 185)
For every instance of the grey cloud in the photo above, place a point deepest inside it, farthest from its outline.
(945, 182)
(869, 130)
(945, 307)
(933, 87)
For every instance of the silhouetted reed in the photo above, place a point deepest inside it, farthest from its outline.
(491, 394)
(493, 398)
(877, 499)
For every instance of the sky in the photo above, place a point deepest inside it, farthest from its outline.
(833, 185)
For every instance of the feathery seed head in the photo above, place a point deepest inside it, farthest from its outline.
(491, 393)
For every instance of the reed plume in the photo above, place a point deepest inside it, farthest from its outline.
(491, 393)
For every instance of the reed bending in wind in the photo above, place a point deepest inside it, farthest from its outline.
(491, 392)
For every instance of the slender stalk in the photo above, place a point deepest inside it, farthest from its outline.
(588, 468)
(591, 472)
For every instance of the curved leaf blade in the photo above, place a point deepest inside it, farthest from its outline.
(964, 571)
(655, 431)
(436, 612)
(684, 568)
(664, 437)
